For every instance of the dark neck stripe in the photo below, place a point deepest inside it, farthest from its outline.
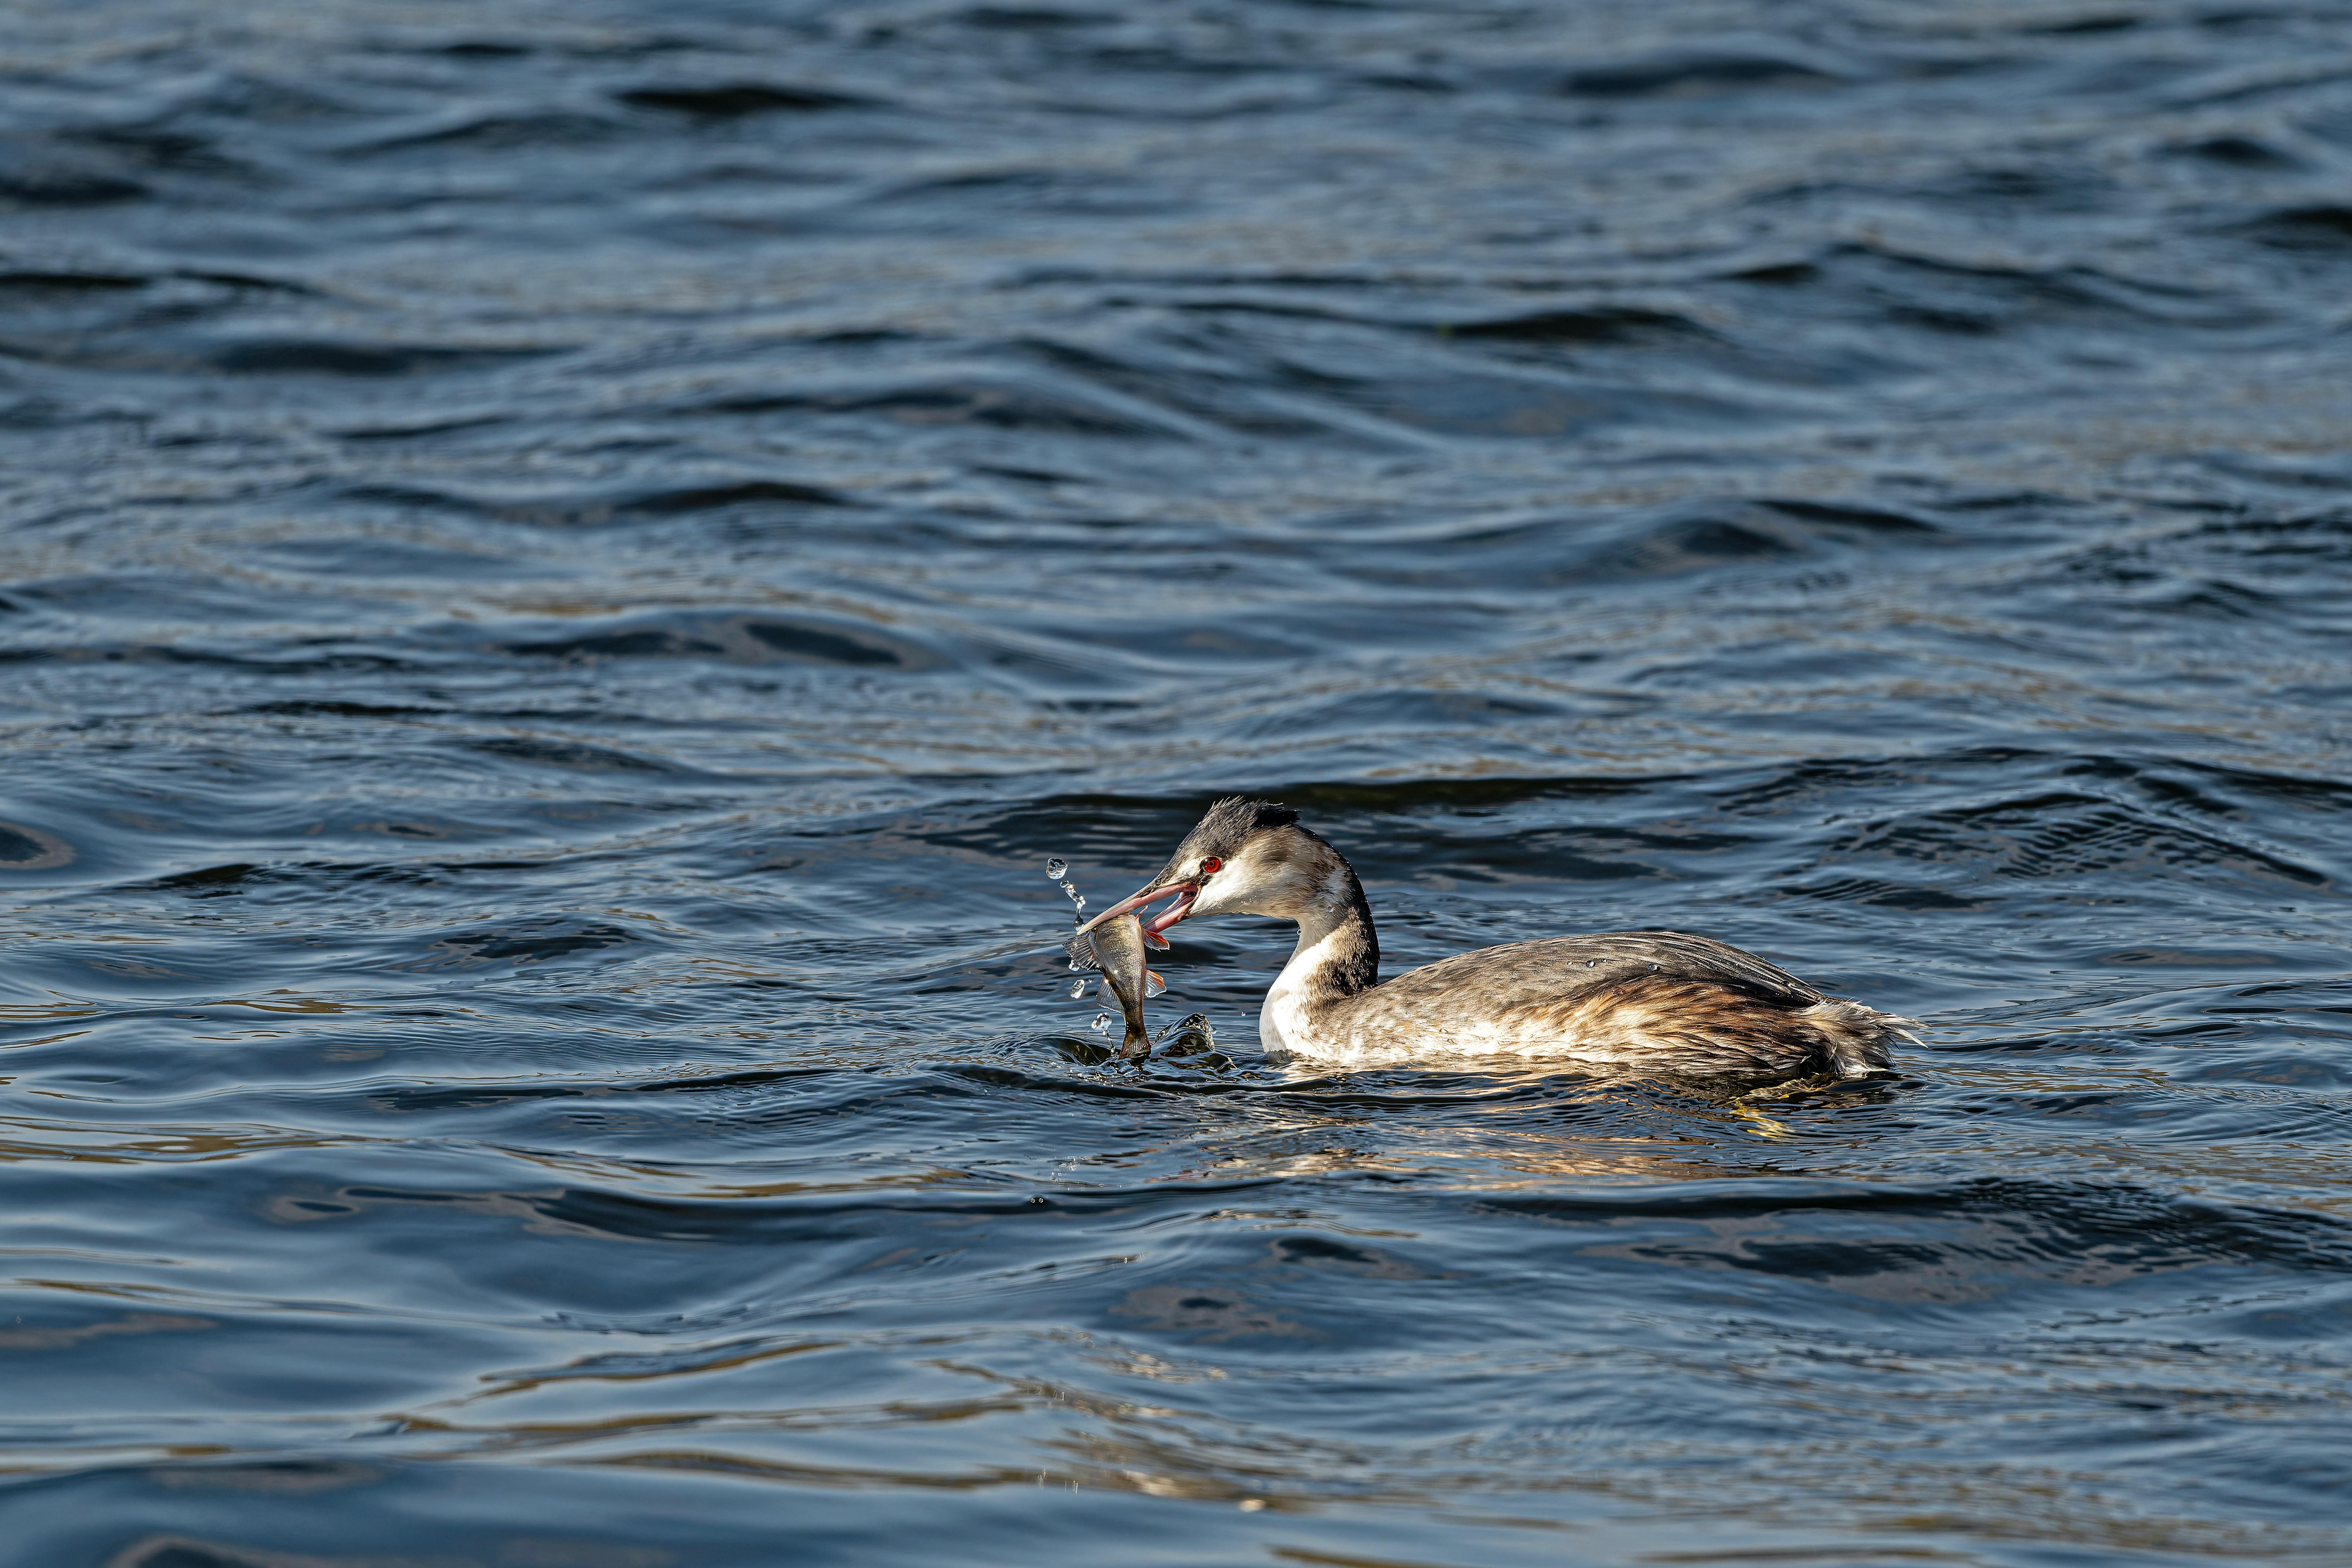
(1352, 961)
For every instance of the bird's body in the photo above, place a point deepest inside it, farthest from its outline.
(1646, 1000)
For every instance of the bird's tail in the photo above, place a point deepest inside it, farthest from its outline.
(1857, 1040)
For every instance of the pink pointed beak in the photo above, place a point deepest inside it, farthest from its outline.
(1185, 893)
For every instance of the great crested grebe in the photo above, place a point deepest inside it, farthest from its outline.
(1650, 1001)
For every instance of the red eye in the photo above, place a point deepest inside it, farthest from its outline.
(1210, 864)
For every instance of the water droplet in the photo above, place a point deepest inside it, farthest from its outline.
(1071, 888)
(1101, 1025)
(1152, 984)
(1077, 903)
(1079, 988)
(1056, 866)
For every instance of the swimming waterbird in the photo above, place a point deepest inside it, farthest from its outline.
(1653, 1001)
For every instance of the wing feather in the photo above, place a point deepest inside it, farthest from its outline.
(1554, 969)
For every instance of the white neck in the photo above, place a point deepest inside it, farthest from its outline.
(1286, 1022)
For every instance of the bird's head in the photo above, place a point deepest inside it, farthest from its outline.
(1245, 858)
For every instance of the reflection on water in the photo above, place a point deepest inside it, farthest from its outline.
(563, 567)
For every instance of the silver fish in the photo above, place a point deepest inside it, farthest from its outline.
(1115, 946)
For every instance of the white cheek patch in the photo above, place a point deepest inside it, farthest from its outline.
(1243, 876)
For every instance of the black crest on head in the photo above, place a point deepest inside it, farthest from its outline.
(1231, 820)
(1222, 829)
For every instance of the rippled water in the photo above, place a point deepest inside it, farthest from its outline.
(564, 567)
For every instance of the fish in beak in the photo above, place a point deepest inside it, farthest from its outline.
(1115, 947)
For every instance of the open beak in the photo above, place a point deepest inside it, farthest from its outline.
(1153, 925)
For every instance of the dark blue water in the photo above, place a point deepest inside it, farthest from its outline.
(563, 567)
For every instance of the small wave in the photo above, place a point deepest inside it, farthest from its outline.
(41, 172)
(70, 282)
(1696, 73)
(592, 510)
(1006, 405)
(493, 132)
(2061, 834)
(2322, 230)
(317, 356)
(2092, 1233)
(741, 639)
(1596, 325)
(572, 756)
(531, 940)
(24, 848)
(735, 99)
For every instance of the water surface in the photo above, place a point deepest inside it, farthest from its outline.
(562, 569)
